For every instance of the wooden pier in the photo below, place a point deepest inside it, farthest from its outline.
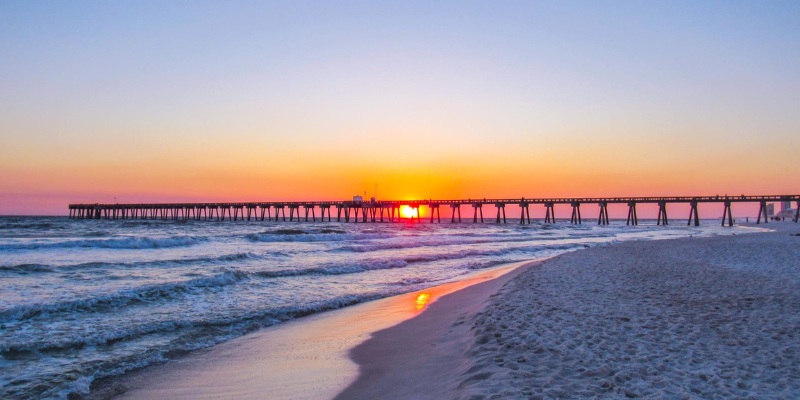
(389, 211)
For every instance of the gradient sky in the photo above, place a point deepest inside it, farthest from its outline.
(205, 101)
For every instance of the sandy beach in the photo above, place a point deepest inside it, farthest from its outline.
(684, 318)
(687, 318)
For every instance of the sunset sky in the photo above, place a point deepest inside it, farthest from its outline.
(207, 101)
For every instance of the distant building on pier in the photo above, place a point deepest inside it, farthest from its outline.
(786, 212)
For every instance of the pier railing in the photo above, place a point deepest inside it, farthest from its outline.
(373, 211)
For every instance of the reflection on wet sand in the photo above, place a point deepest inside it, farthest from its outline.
(422, 300)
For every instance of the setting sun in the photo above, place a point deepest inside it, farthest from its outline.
(409, 212)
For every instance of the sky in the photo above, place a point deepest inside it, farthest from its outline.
(152, 101)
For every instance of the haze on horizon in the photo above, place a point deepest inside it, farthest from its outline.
(209, 101)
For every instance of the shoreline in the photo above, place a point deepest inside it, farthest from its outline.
(421, 357)
(300, 359)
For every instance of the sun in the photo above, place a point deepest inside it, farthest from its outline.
(408, 212)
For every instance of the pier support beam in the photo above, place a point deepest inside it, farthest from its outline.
(280, 210)
(549, 213)
(726, 213)
(797, 211)
(478, 208)
(632, 218)
(323, 209)
(307, 208)
(603, 218)
(501, 208)
(434, 208)
(662, 213)
(265, 212)
(693, 214)
(762, 210)
(455, 209)
(525, 213)
(576, 213)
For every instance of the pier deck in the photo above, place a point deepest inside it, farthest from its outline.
(373, 211)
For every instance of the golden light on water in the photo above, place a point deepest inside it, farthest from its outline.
(422, 300)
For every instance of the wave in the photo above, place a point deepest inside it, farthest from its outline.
(127, 242)
(27, 269)
(325, 235)
(34, 225)
(392, 263)
(143, 294)
(172, 290)
(334, 269)
(365, 248)
(195, 335)
(460, 240)
(161, 263)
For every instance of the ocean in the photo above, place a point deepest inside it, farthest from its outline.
(82, 300)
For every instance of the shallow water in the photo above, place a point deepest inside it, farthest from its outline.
(86, 299)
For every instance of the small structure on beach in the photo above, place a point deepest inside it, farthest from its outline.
(786, 212)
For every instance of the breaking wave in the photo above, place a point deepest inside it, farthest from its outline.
(129, 242)
(144, 294)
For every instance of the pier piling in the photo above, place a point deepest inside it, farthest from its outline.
(603, 218)
(726, 213)
(662, 213)
(632, 218)
(576, 213)
(455, 208)
(693, 214)
(478, 208)
(549, 213)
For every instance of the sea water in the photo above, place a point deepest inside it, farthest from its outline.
(82, 300)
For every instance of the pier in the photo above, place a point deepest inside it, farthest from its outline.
(389, 210)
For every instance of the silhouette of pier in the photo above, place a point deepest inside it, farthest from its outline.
(390, 210)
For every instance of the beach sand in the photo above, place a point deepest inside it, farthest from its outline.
(688, 318)
(307, 358)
